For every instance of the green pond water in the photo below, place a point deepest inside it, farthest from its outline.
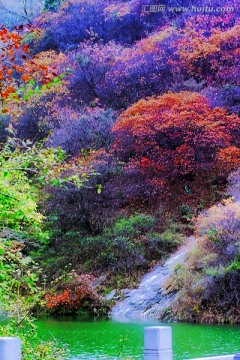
(101, 339)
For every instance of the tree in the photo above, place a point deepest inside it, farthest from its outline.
(17, 67)
(22, 11)
(179, 141)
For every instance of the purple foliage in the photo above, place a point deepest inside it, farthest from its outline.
(90, 64)
(31, 124)
(119, 76)
(227, 97)
(85, 209)
(122, 21)
(4, 121)
(81, 20)
(74, 22)
(144, 70)
(77, 131)
(234, 185)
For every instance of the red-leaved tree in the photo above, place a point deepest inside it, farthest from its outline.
(181, 144)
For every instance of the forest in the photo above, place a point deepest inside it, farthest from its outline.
(119, 139)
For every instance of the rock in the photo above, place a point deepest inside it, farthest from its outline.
(152, 298)
(110, 296)
(99, 280)
(125, 292)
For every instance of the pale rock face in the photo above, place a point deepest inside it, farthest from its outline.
(150, 299)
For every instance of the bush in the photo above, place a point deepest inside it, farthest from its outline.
(90, 64)
(4, 122)
(79, 131)
(209, 47)
(74, 22)
(145, 69)
(133, 226)
(32, 123)
(23, 295)
(227, 96)
(78, 292)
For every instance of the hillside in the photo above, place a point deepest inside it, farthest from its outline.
(120, 132)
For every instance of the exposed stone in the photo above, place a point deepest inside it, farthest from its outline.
(110, 296)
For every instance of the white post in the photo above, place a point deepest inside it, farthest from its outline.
(158, 343)
(10, 348)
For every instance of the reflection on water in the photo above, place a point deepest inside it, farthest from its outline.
(103, 339)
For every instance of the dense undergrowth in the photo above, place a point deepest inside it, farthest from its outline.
(118, 126)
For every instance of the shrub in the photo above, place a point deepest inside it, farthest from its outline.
(78, 292)
(118, 191)
(4, 122)
(134, 226)
(31, 124)
(22, 294)
(81, 20)
(129, 244)
(74, 22)
(82, 130)
(209, 48)
(221, 225)
(90, 62)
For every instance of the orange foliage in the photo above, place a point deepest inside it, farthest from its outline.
(206, 52)
(17, 66)
(73, 296)
(229, 158)
(179, 141)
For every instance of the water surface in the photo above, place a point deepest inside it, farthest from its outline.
(102, 339)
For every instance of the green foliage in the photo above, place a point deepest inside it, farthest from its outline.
(135, 225)
(18, 273)
(235, 265)
(23, 166)
(52, 5)
(123, 249)
(21, 294)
